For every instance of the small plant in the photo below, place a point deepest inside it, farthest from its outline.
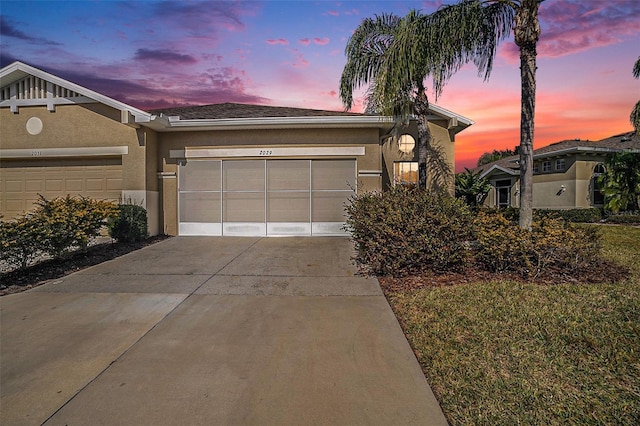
(130, 224)
(406, 231)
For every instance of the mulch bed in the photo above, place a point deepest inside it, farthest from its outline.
(601, 272)
(33, 276)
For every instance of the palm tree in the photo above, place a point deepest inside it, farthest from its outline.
(621, 183)
(396, 59)
(471, 187)
(635, 113)
(526, 31)
(393, 56)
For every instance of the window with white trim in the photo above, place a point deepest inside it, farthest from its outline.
(546, 166)
(536, 168)
(560, 164)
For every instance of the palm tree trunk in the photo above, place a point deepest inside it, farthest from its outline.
(421, 107)
(527, 32)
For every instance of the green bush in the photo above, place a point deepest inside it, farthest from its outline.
(624, 218)
(406, 231)
(20, 242)
(590, 215)
(130, 224)
(552, 243)
(69, 222)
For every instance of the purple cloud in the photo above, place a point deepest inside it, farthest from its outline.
(574, 26)
(164, 56)
(7, 29)
(203, 18)
(321, 41)
(282, 41)
(304, 41)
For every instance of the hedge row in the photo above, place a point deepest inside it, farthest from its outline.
(404, 232)
(57, 227)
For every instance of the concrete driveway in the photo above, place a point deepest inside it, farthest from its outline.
(204, 331)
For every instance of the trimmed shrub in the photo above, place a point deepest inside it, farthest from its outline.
(624, 218)
(405, 231)
(590, 215)
(69, 222)
(130, 224)
(552, 243)
(20, 242)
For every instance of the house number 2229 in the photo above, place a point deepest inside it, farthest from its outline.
(265, 152)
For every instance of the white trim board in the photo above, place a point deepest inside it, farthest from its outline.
(267, 152)
(36, 153)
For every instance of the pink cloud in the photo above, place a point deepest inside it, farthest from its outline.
(333, 13)
(304, 41)
(300, 61)
(321, 41)
(278, 41)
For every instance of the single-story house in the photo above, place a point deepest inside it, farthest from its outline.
(226, 169)
(565, 174)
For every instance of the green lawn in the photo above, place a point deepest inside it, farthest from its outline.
(509, 353)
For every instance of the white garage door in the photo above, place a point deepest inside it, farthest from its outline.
(22, 180)
(264, 197)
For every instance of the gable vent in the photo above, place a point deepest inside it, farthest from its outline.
(35, 88)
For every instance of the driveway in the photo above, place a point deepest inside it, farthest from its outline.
(206, 330)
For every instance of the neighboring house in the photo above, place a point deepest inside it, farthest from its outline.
(226, 169)
(565, 174)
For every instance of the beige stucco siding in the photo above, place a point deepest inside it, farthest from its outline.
(69, 129)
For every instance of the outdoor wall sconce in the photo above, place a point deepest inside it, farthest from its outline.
(561, 190)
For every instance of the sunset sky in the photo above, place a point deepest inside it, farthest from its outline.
(154, 54)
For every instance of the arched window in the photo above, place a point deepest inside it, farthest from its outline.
(597, 197)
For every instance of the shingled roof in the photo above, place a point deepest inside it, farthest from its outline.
(233, 110)
(619, 142)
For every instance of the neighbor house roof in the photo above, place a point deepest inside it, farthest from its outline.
(628, 141)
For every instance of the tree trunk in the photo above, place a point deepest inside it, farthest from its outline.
(527, 32)
(421, 108)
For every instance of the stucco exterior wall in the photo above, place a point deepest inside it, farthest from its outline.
(441, 141)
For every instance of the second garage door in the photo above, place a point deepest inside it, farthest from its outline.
(22, 181)
(264, 197)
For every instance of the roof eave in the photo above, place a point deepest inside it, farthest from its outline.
(173, 124)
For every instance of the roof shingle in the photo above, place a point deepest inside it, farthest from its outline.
(233, 110)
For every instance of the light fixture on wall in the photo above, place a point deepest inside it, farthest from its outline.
(561, 190)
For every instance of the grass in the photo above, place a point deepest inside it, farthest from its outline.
(509, 353)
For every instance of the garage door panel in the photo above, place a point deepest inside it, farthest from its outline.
(288, 175)
(14, 186)
(33, 185)
(288, 207)
(243, 175)
(333, 174)
(200, 176)
(243, 207)
(73, 185)
(201, 207)
(114, 184)
(53, 185)
(328, 206)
